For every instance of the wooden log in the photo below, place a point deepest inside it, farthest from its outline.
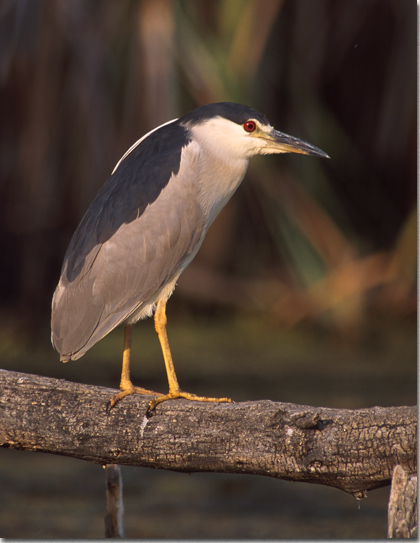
(354, 450)
(114, 524)
(402, 507)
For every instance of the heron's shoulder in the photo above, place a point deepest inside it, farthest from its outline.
(170, 136)
(143, 173)
(135, 184)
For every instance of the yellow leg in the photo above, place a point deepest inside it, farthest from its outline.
(174, 390)
(126, 385)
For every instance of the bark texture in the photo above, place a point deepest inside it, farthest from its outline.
(402, 507)
(114, 523)
(354, 450)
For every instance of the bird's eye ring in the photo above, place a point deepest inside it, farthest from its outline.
(250, 126)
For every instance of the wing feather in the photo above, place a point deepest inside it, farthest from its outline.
(139, 233)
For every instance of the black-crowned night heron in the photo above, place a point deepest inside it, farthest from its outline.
(147, 223)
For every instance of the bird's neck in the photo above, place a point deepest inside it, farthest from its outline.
(218, 179)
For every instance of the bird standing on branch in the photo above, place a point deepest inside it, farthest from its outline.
(147, 223)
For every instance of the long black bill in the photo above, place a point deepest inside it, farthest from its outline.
(288, 144)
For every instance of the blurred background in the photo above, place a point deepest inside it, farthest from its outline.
(305, 287)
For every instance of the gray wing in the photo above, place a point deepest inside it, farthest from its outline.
(137, 235)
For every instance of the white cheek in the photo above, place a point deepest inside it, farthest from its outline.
(224, 139)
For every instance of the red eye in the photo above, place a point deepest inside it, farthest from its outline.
(249, 126)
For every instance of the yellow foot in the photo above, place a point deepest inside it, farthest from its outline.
(130, 390)
(179, 394)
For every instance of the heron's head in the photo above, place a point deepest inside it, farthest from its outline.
(239, 131)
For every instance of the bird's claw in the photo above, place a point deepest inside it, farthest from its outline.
(185, 395)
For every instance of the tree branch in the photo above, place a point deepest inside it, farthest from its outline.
(402, 507)
(354, 450)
